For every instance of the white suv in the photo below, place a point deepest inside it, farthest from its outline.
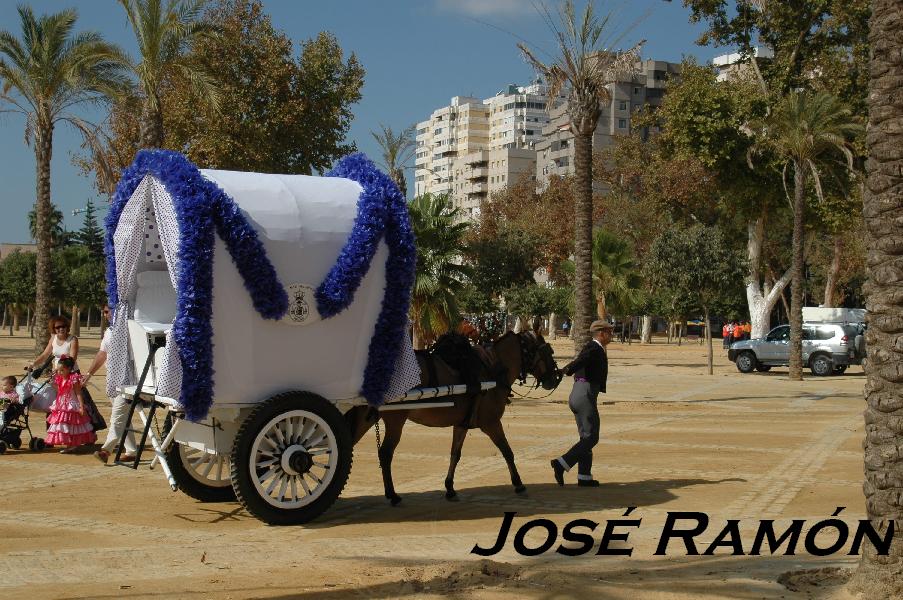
(828, 349)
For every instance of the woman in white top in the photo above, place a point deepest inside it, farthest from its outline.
(60, 343)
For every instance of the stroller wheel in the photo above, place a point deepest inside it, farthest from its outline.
(17, 443)
(2, 446)
(31, 444)
(38, 444)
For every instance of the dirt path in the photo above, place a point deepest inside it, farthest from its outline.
(733, 446)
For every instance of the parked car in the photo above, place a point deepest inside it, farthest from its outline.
(828, 348)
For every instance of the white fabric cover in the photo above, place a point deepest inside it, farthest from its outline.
(303, 222)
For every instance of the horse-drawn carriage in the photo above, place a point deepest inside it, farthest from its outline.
(261, 316)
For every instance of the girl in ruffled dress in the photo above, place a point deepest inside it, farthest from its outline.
(69, 423)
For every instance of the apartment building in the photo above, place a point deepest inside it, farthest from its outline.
(735, 64)
(555, 151)
(472, 148)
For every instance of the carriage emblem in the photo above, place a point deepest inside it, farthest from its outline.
(301, 305)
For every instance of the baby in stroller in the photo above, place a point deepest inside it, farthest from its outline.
(8, 398)
(15, 403)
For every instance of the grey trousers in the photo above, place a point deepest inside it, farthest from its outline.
(582, 403)
(117, 424)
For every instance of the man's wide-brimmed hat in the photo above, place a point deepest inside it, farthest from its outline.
(600, 325)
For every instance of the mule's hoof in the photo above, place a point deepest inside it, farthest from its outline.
(451, 495)
(520, 489)
(395, 500)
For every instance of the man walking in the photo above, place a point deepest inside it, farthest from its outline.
(590, 371)
(120, 407)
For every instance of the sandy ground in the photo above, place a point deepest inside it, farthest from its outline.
(734, 446)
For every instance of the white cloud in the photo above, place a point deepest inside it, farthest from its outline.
(485, 8)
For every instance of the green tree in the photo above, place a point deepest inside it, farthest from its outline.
(695, 268)
(397, 149)
(279, 112)
(619, 285)
(79, 280)
(705, 119)
(164, 31)
(17, 283)
(804, 129)
(507, 258)
(45, 74)
(586, 64)
(882, 576)
(439, 275)
(58, 235)
(91, 234)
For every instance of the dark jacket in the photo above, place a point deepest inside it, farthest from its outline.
(591, 364)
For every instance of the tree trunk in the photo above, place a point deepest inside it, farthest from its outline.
(882, 576)
(583, 239)
(831, 280)
(15, 324)
(5, 315)
(43, 148)
(760, 298)
(796, 287)
(417, 339)
(601, 308)
(88, 319)
(708, 341)
(152, 125)
(553, 326)
(76, 321)
(646, 335)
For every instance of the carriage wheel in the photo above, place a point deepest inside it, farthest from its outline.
(2, 446)
(17, 443)
(291, 458)
(202, 475)
(39, 444)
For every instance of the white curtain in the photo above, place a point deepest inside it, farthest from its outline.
(169, 377)
(127, 242)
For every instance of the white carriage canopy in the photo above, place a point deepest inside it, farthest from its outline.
(263, 283)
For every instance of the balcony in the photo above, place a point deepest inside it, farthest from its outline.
(477, 173)
(476, 187)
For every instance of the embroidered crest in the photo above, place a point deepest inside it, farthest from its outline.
(301, 305)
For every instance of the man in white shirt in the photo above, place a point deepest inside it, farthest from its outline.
(120, 407)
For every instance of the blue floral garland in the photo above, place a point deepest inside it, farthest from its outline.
(202, 210)
(382, 213)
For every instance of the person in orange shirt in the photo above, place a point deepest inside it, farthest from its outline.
(726, 336)
(747, 330)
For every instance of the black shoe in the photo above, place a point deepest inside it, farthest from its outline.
(558, 470)
(587, 483)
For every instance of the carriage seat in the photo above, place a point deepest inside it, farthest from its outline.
(155, 301)
(155, 310)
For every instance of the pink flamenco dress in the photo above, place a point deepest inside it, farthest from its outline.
(67, 426)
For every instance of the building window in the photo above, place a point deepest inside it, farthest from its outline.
(636, 91)
(622, 105)
(622, 123)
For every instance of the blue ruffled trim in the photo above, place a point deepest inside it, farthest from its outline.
(202, 210)
(382, 212)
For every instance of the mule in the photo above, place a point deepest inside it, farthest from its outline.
(511, 357)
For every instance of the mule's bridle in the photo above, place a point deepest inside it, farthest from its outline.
(529, 357)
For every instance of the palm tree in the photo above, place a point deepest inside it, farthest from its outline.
(618, 285)
(58, 235)
(802, 130)
(440, 273)
(45, 74)
(586, 64)
(882, 576)
(397, 149)
(164, 29)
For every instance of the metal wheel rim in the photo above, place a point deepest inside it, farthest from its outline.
(821, 365)
(206, 468)
(744, 361)
(290, 430)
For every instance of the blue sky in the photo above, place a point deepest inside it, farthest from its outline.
(417, 54)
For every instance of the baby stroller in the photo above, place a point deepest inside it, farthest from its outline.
(15, 418)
